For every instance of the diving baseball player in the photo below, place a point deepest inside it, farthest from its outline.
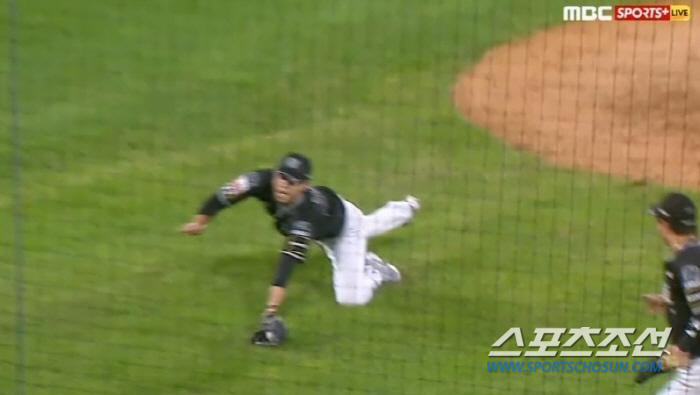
(680, 298)
(303, 214)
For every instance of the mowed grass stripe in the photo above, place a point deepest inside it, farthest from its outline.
(49, 187)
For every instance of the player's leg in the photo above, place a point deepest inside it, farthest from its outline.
(686, 381)
(354, 278)
(354, 281)
(388, 271)
(392, 215)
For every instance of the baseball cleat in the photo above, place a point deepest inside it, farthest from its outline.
(388, 271)
(413, 202)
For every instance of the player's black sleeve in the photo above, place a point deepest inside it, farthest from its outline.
(253, 183)
(690, 281)
(296, 247)
(284, 270)
(294, 251)
(212, 206)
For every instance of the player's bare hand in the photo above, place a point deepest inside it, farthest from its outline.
(656, 303)
(676, 357)
(193, 228)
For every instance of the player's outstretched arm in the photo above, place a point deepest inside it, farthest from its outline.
(197, 226)
(272, 330)
(250, 184)
(293, 253)
(209, 209)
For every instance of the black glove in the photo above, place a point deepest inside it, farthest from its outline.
(272, 331)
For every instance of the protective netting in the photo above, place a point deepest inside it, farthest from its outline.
(534, 145)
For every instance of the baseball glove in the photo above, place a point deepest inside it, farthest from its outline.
(272, 331)
(667, 363)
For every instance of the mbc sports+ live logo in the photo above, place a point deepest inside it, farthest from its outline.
(627, 13)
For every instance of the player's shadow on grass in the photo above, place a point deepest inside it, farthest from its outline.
(237, 263)
(244, 262)
(315, 273)
(256, 267)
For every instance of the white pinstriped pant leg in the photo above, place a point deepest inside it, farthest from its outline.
(392, 215)
(354, 282)
(686, 381)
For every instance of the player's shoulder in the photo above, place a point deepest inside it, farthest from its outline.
(257, 177)
(250, 182)
(689, 255)
(687, 260)
(325, 191)
(324, 196)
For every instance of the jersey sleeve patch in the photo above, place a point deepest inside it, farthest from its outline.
(235, 188)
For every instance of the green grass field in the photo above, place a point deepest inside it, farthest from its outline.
(133, 112)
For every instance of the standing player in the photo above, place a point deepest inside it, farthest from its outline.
(303, 214)
(680, 299)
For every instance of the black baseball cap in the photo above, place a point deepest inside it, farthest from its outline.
(677, 209)
(296, 166)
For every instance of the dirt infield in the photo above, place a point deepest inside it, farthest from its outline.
(621, 98)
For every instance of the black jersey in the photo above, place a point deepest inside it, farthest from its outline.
(682, 287)
(318, 215)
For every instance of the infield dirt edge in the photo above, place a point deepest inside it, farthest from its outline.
(616, 98)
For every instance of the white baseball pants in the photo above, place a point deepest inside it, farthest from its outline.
(354, 281)
(686, 381)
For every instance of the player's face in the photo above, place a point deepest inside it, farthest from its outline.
(664, 230)
(287, 189)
